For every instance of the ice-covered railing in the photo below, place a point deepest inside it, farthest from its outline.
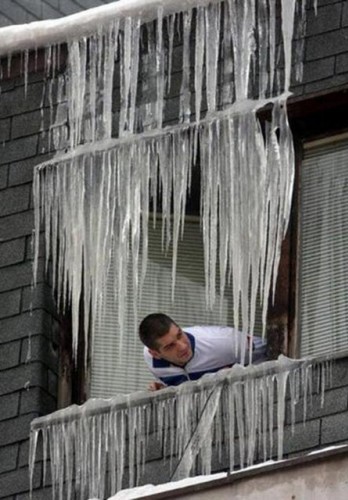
(113, 101)
(90, 449)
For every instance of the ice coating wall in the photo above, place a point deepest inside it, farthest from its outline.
(119, 157)
(98, 448)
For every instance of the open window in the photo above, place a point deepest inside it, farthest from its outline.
(113, 372)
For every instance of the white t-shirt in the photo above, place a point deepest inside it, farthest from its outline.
(213, 347)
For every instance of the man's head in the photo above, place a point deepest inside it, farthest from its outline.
(165, 339)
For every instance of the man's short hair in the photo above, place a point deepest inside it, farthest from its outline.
(153, 327)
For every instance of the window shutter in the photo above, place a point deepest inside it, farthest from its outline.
(324, 250)
(111, 373)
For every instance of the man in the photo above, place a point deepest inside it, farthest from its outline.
(175, 355)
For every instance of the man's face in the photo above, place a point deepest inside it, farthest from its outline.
(174, 347)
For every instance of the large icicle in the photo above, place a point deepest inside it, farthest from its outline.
(91, 447)
(95, 198)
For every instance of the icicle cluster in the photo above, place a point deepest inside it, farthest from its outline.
(92, 448)
(112, 103)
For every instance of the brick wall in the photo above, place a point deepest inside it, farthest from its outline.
(326, 68)
(326, 48)
(28, 328)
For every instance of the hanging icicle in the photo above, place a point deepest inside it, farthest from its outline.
(94, 199)
(90, 448)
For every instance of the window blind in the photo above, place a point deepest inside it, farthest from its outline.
(112, 373)
(323, 297)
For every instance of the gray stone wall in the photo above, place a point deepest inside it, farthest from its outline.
(29, 388)
(28, 327)
(326, 48)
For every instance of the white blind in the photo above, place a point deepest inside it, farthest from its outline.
(324, 250)
(111, 373)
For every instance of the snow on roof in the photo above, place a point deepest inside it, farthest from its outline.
(38, 34)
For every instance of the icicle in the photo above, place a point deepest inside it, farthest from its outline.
(32, 454)
(185, 93)
(288, 11)
(95, 202)
(160, 81)
(199, 55)
(212, 42)
(281, 392)
(107, 436)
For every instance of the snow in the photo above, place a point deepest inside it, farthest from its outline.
(150, 489)
(39, 34)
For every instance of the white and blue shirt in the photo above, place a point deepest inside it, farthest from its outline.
(213, 348)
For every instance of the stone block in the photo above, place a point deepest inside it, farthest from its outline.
(19, 149)
(12, 252)
(20, 275)
(26, 124)
(17, 225)
(23, 377)
(8, 458)
(89, 4)
(328, 18)
(345, 14)
(326, 44)
(10, 303)
(38, 494)
(39, 348)
(3, 176)
(39, 297)
(9, 406)
(15, 200)
(15, 13)
(68, 7)
(20, 326)
(9, 354)
(4, 21)
(335, 401)
(17, 481)
(156, 472)
(15, 102)
(37, 400)
(22, 171)
(339, 374)
(41, 10)
(301, 437)
(342, 63)
(328, 83)
(24, 448)
(5, 127)
(334, 428)
(29, 249)
(318, 70)
(15, 429)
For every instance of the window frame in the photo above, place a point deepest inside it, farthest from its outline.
(320, 117)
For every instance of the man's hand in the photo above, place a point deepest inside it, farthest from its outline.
(156, 386)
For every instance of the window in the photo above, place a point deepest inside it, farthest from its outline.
(112, 373)
(323, 284)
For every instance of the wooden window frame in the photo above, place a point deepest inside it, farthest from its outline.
(311, 117)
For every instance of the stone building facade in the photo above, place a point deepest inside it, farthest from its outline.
(30, 329)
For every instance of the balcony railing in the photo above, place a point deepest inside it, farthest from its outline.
(236, 416)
